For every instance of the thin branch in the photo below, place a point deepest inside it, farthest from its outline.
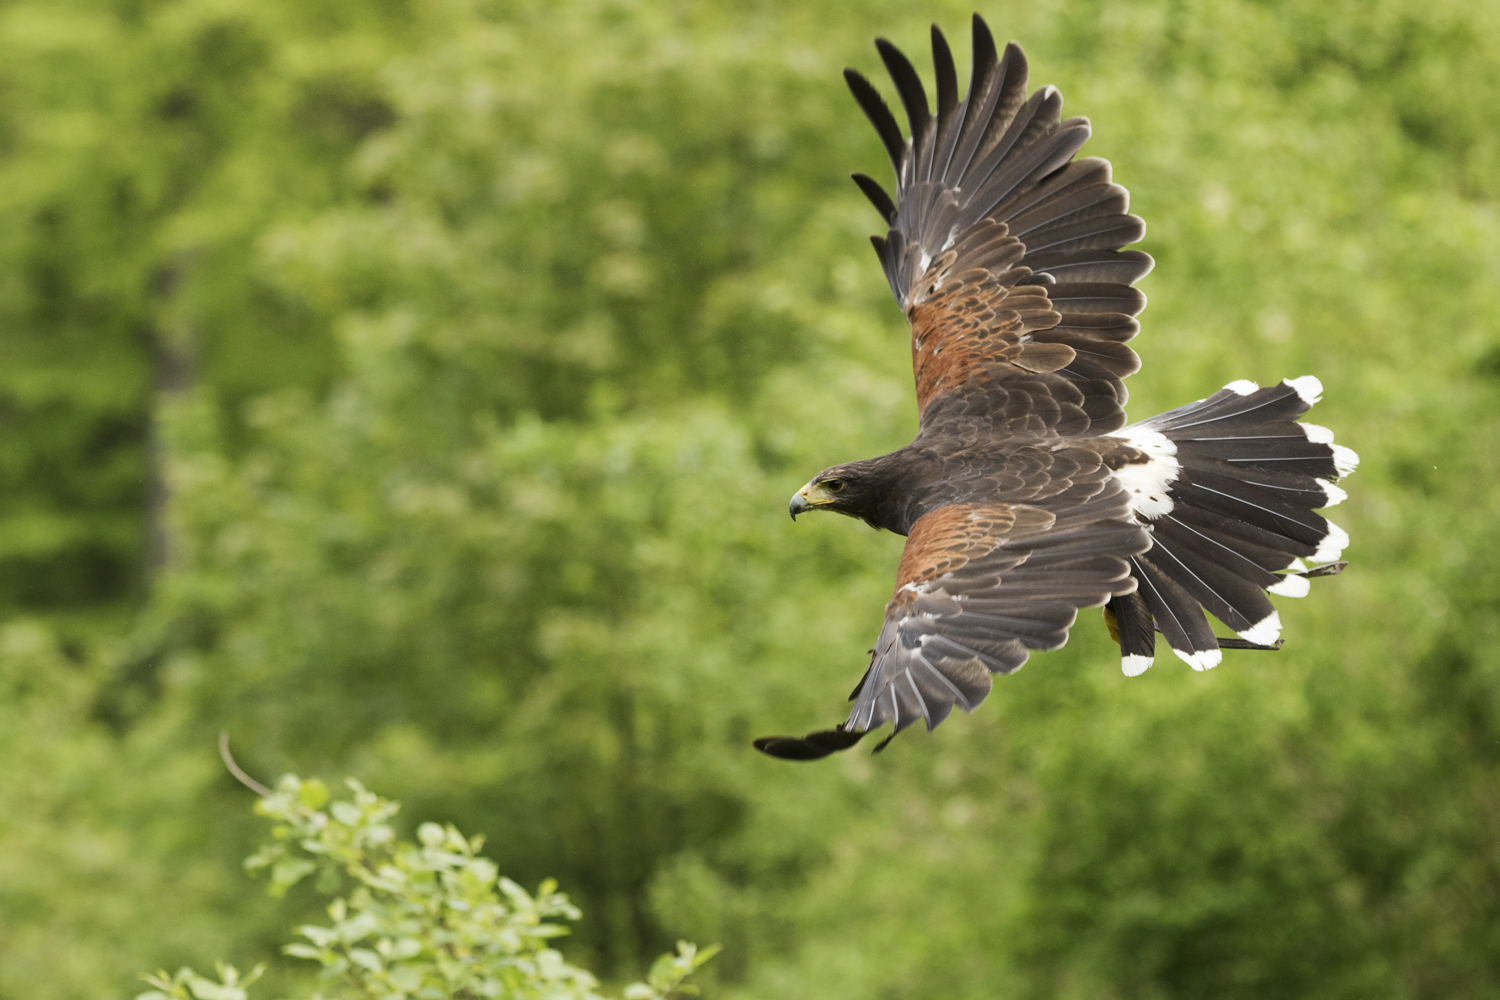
(237, 771)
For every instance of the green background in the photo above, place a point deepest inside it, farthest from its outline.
(413, 388)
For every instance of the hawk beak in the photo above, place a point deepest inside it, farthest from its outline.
(799, 503)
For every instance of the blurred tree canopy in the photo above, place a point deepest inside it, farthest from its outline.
(414, 388)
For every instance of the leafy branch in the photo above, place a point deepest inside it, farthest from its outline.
(425, 920)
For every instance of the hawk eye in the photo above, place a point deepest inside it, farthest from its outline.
(835, 485)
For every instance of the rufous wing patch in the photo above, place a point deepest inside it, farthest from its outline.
(949, 538)
(946, 539)
(973, 328)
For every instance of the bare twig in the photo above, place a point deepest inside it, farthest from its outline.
(237, 771)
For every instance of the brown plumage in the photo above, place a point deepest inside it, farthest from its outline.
(1024, 496)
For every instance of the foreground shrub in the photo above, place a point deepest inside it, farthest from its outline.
(431, 919)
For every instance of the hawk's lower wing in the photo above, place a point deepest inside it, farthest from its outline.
(980, 587)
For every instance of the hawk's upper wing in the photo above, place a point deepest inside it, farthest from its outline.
(980, 586)
(1004, 252)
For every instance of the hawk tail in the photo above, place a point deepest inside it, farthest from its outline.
(1229, 491)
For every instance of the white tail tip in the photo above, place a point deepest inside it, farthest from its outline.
(1308, 387)
(1203, 659)
(1291, 586)
(1332, 495)
(1317, 434)
(1266, 631)
(1331, 547)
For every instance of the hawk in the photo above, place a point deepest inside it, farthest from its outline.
(1026, 496)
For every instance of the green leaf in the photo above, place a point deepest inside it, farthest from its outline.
(313, 794)
(264, 857)
(329, 881)
(664, 971)
(345, 813)
(410, 980)
(321, 936)
(288, 872)
(358, 927)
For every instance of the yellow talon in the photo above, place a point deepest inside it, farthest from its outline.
(1113, 624)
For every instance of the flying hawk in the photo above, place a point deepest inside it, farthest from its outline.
(1026, 496)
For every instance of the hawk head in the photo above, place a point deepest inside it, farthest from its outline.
(858, 489)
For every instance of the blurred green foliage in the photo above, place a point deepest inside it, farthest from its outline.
(428, 919)
(414, 388)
